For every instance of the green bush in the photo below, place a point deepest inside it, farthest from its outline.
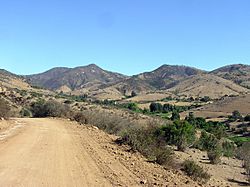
(195, 171)
(155, 107)
(180, 133)
(207, 141)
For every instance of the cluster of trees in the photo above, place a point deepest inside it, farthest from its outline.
(77, 98)
(236, 116)
(216, 128)
(159, 108)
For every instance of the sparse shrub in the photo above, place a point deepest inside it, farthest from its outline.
(243, 153)
(49, 109)
(4, 109)
(228, 148)
(214, 155)
(163, 155)
(111, 123)
(146, 142)
(80, 117)
(195, 171)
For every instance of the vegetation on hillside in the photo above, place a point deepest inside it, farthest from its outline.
(4, 108)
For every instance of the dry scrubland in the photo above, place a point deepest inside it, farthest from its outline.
(127, 130)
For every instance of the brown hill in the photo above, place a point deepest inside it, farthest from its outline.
(207, 85)
(160, 79)
(181, 80)
(238, 73)
(133, 84)
(71, 79)
(164, 76)
(10, 80)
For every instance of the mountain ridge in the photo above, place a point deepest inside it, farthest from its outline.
(96, 81)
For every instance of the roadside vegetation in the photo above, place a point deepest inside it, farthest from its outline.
(5, 109)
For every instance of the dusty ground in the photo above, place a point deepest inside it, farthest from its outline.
(54, 152)
(228, 173)
(51, 152)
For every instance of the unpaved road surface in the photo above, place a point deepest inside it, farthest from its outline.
(58, 153)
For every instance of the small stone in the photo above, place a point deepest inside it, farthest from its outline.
(143, 182)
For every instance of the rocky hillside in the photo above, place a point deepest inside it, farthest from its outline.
(10, 80)
(71, 79)
(164, 76)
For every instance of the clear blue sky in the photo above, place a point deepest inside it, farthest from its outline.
(127, 36)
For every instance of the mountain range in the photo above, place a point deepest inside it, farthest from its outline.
(178, 80)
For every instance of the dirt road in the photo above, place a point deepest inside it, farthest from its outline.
(53, 152)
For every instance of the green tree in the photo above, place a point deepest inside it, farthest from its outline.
(155, 107)
(181, 134)
(235, 116)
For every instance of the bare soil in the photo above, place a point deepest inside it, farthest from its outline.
(53, 152)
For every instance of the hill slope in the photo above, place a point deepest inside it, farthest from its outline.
(207, 85)
(10, 80)
(70, 79)
(164, 76)
(159, 79)
(238, 73)
(229, 104)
